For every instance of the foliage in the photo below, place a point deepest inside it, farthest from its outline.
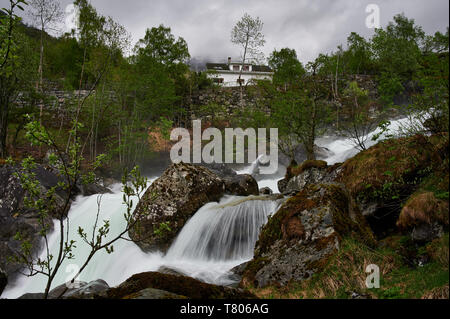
(46, 205)
(288, 69)
(360, 124)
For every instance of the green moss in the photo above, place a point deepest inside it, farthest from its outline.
(272, 231)
(308, 165)
(248, 278)
(392, 169)
(344, 272)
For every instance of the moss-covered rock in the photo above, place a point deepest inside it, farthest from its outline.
(176, 196)
(389, 168)
(306, 165)
(383, 177)
(152, 293)
(176, 285)
(425, 216)
(298, 240)
(309, 172)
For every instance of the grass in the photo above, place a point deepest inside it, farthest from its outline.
(345, 273)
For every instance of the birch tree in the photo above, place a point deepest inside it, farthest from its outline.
(45, 14)
(247, 34)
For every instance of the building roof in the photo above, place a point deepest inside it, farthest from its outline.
(225, 67)
(217, 66)
(262, 68)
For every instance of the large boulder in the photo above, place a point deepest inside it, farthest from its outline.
(241, 185)
(383, 177)
(425, 216)
(176, 196)
(306, 231)
(153, 294)
(309, 172)
(77, 290)
(16, 217)
(176, 286)
(222, 170)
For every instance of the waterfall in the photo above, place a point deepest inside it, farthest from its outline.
(224, 234)
(252, 169)
(344, 148)
(217, 238)
(223, 231)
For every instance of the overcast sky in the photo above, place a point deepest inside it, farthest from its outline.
(308, 26)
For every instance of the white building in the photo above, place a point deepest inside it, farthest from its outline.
(227, 74)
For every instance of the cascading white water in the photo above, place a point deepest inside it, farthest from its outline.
(217, 238)
(344, 148)
(224, 231)
(236, 221)
(252, 169)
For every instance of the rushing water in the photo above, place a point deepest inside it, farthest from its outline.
(224, 231)
(217, 238)
(344, 148)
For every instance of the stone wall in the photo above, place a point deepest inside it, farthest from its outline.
(229, 98)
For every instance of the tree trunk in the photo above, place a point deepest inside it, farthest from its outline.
(4, 110)
(309, 147)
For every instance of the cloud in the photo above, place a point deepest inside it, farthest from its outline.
(308, 26)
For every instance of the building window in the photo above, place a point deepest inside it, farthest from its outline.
(246, 68)
(235, 67)
(240, 81)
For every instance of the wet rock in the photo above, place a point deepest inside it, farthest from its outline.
(92, 189)
(79, 290)
(357, 295)
(239, 269)
(425, 233)
(309, 172)
(170, 201)
(176, 196)
(305, 232)
(282, 184)
(170, 271)
(241, 185)
(177, 285)
(15, 217)
(30, 296)
(265, 191)
(222, 170)
(320, 153)
(151, 293)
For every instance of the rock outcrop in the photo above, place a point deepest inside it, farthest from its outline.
(298, 240)
(77, 290)
(424, 216)
(177, 286)
(309, 172)
(15, 217)
(241, 185)
(176, 196)
(383, 177)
